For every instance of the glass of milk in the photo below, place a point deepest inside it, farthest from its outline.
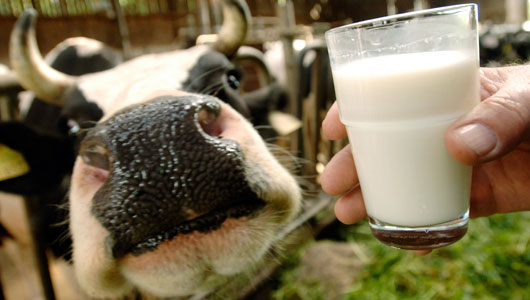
(400, 82)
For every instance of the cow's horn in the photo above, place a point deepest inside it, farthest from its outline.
(33, 72)
(236, 18)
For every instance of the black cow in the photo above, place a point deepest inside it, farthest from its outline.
(173, 192)
(504, 44)
(74, 56)
(47, 123)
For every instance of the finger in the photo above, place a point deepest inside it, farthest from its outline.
(350, 208)
(495, 126)
(340, 175)
(482, 200)
(422, 252)
(331, 126)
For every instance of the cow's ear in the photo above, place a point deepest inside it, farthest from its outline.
(49, 158)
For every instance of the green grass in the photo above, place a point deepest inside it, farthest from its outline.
(491, 262)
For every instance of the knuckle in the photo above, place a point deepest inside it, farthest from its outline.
(509, 110)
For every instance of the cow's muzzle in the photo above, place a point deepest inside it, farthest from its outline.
(170, 172)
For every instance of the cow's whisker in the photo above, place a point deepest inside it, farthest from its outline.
(212, 89)
(189, 85)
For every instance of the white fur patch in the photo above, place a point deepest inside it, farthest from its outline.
(133, 81)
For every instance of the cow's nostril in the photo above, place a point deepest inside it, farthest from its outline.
(95, 156)
(208, 119)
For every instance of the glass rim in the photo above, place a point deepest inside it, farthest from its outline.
(382, 21)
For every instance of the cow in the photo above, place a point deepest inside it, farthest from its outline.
(172, 191)
(73, 56)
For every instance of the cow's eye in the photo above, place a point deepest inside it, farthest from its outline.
(73, 127)
(96, 156)
(233, 77)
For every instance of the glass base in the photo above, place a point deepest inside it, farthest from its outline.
(420, 238)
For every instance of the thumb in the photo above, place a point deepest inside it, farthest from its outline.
(499, 123)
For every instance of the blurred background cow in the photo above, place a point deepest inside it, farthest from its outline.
(281, 73)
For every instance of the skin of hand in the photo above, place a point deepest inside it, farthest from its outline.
(494, 137)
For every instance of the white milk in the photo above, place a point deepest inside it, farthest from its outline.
(396, 110)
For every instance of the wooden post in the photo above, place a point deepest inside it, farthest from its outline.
(217, 15)
(285, 12)
(287, 34)
(34, 210)
(1, 291)
(204, 16)
(515, 11)
(310, 117)
(64, 8)
(391, 7)
(36, 5)
(421, 4)
(527, 10)
(124, 30)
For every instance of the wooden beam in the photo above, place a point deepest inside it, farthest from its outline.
(204, 16)
(515, 11)
(35, 208)
(391, 8)
(421, 4)
(124, 30)
(286, 16)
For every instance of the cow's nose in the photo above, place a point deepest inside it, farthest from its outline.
(170, 173)
(207, 119)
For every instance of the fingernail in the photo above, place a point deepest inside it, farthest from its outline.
(481, 139)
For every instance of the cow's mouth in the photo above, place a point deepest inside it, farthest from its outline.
(204, 223)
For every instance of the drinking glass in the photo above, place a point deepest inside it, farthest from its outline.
(400, 82)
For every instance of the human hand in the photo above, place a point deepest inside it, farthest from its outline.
(493, 137)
